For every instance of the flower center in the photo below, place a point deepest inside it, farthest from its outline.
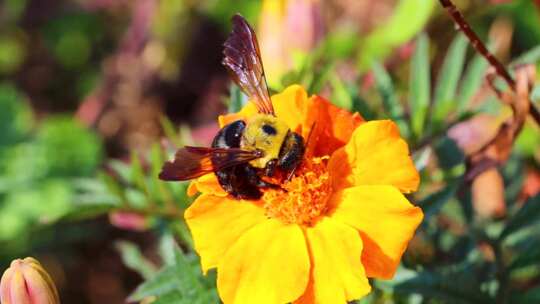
(304, 197)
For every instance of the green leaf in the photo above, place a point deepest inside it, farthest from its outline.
(183, 277)
(528, 255)
(419, 86)
(393, 107)
(448, 153)
(527, 215)
(170, 131)
(237, 100)
(449, 286)
(399, 29)
(527, 297)
(173, 297)
(532, 56)
(138, 174)
(474, 76)
(162, 283)
(432, 204)
(448, 78)
(135, 260)
(340, 95)
(70, 149)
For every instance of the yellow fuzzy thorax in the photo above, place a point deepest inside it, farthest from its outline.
(254, 137)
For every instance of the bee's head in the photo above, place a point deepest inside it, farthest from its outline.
(266, 133)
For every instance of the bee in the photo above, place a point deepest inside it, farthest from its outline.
(243, 152)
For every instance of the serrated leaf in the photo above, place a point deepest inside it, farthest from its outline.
(162, 283)
(474, 76)
(419, 86)
(135, 260)
(447, 81)
(527, 215)
(173, 297)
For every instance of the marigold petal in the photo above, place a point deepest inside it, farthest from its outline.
(268, 264)
(207, 183)
(386, 221)
(375, 155)
(337, 273)
(216, 223)
(333, 126)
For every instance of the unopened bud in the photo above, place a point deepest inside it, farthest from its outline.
(26, 282)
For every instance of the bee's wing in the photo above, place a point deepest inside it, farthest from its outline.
(192, 162)
(243, 61)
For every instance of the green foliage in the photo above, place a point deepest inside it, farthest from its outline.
(179, 281)
(384, 39)
(37, 167)
(419, 85)
(449, 75)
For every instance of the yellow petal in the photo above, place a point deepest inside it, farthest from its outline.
(386, 221)
(268, 264)
(216, 223)
(337, 275)
(375, 155)
(206, 184)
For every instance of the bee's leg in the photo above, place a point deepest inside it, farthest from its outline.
(270, 168)
(255, 180)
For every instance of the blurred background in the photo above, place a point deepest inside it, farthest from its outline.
(96, 94)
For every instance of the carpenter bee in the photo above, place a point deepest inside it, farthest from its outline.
(243, 152)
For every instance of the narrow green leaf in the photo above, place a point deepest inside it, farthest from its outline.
(432, 204)
(389, 98)
(531, 56)
(447, 81)
(138, 175)
(474, 76)
(419, 84)
(170, 131)
(237, 99)
(528, 255)
(454, 286)
(340, 95)
(527, 215)
(399, 29)
(135, 260)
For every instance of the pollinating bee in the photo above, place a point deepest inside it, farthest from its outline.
(243, 152)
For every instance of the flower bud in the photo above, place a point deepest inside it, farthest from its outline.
(26, 282)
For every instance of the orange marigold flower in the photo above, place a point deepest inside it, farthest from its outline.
(342, 219)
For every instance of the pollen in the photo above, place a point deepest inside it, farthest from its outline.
(302, 199)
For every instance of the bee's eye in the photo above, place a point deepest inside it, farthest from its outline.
(268, 129)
